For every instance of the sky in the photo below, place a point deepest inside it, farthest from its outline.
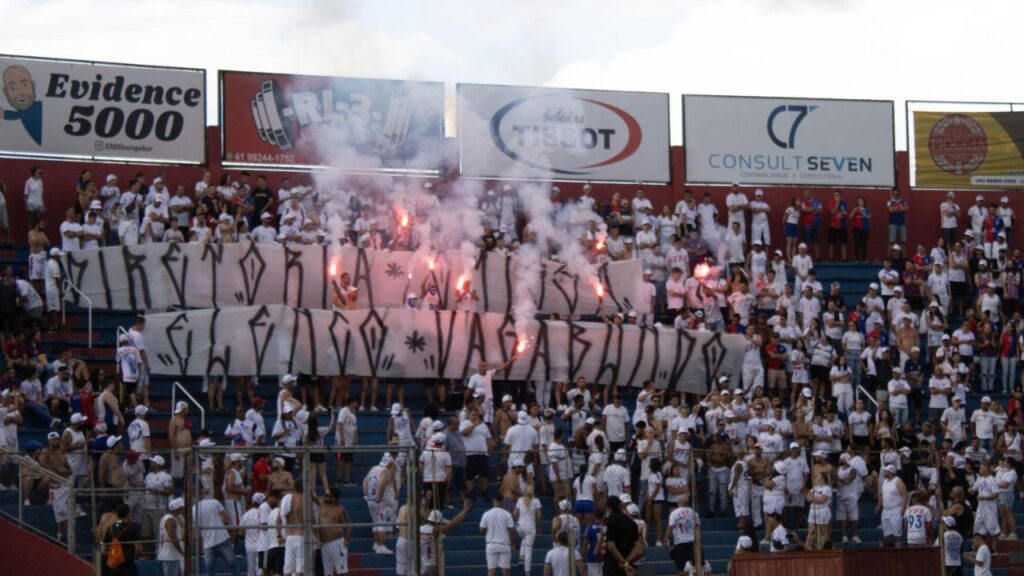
(863, 49)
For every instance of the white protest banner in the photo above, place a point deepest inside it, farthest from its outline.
(276, 340)
(561, 134)
(102, 111)
(788, 141)
(193, 275)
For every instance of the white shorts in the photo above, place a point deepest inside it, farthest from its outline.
(847, 510)
(499, 556)
(892, 523)
(741, 504)
(403, 556)
(293, 557)
(986, 524)
(595, 568)
(382, 515)
(773, 506)
(335, 557)
(53, 301)
(235, 510)
(795, 500)
(61, 501)
(36, 265)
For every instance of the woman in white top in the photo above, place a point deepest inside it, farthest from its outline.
(842, 384)
(800, 375)
(656, 499)
(527, 516)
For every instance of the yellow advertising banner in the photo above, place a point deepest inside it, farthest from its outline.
(969, 150)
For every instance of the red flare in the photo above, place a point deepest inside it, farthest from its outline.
(430, 264)
(701, 271)
(405, 220)
(521, 347)
(599, 245)
(460, 283)
(599, 289)
(333, 269)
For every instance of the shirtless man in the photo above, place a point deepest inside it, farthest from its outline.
(292, 514)
(38, 244)
(235, 491)
(334, 540)
(181, 439)
(405, 547)
(757, 469)
(279, 478)
(52, 458)
(111, 471)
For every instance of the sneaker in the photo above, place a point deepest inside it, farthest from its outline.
(765, 541)
(26, 503)
(362, 408)
(384, 550)
(658, 544)
(79, 513)
(320, 408)
(846, 540)
(856, 540)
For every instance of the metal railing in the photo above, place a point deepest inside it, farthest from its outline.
(202, 411)
(64, 309)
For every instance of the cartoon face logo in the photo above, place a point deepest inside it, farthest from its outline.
(19, 88)
(20, 92)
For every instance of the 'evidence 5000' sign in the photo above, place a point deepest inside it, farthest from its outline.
(517, 132)
(788, 141)
(85, 109)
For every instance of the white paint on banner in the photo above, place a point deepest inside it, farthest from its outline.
(276, 340)
(159, 276)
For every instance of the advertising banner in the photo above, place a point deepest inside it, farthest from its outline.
(550, 133)
(102, 111)
(276, 340)
(347, 123)
(788, 141)
(196, 275)
(969, 150)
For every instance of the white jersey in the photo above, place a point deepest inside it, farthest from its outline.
(918, 519)
(821, 513)
(527, 514)
(682, 523)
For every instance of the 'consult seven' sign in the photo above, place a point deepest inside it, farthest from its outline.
(519, 132)
(86, 109)
(788, 141)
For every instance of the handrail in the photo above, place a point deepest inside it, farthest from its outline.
(64, 311)
(202, 412)
(869, 396)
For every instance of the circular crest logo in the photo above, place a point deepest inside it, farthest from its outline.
(957, 144)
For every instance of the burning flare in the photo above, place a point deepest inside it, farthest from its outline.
(701, 271)
(521, 347)
(333, 269)
(430, 264)
(461, 282)
(405, 220)
(599, 289)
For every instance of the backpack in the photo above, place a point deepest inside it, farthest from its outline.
(115, 553)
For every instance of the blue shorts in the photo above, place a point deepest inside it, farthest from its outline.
(584, 507)
(789, 231)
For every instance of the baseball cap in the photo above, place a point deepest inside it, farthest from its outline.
(112, 441)
(396, 409)
(288, 408)
(438, 438)
(266, 216)
(807, 391)
(779, 253)
(157, 460)
(56, 252)
(744, 543)
(435, 517)
(915, 349)
(564, 505)
(77, 418)
(950, 195)
(794, 446)
(898, 289)
(801, 245)
(95, 205)
(206, 442)
(986, 399)
(896, 247)
(176, 504)
(758, 192)
(181, 406)
(52, 435)
(620, 455)
(633, 510)
(236, 457)
(729, 414)
(723, 378)
(757, 242)
(647, 272)
(949, 521)
(905, 450)
(259, 498)
(780, 467)
(288, 379)
(591, 421)
(625, 499)
(979, 198)
(890, 469)
(873, 286)
(438, 425)
(506, 398)
(1004, 200)
(140, 410)
(819, 453)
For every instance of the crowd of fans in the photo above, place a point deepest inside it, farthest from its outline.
(837, 402)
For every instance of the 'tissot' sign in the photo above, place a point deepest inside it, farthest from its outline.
(93, 110)
(545, 133)
(788, 141)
